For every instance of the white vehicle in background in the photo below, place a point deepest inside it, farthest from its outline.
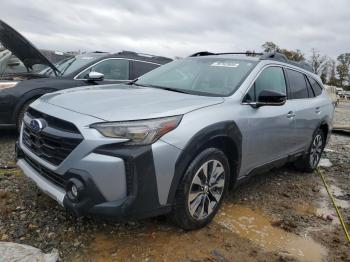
(346, 95)
(333, 93)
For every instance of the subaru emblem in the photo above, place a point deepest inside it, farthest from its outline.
(36, 125)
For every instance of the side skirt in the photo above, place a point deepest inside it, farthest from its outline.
(268, 166)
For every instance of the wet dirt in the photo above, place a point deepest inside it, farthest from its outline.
(257, 227)
(167, 243)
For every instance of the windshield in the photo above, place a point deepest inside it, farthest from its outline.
(203, 76)
(69, 65)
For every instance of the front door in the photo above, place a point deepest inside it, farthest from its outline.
(115, 71)
(269, 134)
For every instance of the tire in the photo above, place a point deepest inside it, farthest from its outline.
(203, 195)
(21, 114)
(308, 163)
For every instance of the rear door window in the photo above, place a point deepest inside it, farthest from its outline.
(315, 86)
(297, 84)
(141, 68)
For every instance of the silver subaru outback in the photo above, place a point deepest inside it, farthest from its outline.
(176, 139)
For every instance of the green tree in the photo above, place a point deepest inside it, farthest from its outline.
(295, 55)
(344, 59)
(270, 47)
(343, 74)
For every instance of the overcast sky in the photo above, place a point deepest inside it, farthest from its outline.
(181, 27)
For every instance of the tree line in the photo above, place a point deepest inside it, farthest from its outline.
(332, 72)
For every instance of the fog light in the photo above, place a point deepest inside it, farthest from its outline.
(75, 189)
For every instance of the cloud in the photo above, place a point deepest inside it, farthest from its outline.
(179, 28)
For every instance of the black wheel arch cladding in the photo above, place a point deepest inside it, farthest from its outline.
(226, 131)
(141, 179)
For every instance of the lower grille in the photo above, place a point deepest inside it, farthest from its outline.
(46, 173)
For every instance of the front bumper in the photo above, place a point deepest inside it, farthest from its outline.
(118, 181)
(140, 191)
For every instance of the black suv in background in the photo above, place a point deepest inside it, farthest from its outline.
(17, 91)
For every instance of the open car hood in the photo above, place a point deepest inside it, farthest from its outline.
(22, 48)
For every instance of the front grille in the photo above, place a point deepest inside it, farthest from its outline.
(46, 173)
(55, 142)
(53, 122)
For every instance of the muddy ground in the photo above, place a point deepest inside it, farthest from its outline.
(283, 215)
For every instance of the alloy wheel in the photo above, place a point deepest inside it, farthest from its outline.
(206, 189)
(316, 150)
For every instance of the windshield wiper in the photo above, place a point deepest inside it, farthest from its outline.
(171, 89)
(132, 82)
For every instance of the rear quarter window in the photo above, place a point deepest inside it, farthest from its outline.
(297, 84)
(315, 86)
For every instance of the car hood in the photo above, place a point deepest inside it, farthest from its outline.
(125, 102)
(22, 48)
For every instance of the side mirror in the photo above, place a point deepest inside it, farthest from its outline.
(95, 76)
(271, 98)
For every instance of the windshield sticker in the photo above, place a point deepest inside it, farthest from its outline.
(87, 57)
(225, 64)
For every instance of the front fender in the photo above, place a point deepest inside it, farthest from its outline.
(227, 130)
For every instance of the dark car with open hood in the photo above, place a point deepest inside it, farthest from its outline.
(19, 89)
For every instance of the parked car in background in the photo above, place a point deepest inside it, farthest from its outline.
(333, 93)
(85, 69)
(346, 95)
(177, 138)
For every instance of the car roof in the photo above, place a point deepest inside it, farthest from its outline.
(130, 55)
(252, 56)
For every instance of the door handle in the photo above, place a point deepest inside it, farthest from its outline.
(291, 114)
(317, 110)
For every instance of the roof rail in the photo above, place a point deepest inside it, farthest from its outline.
(263, 56)
(151, 57)
(282, 58)
(205, 53)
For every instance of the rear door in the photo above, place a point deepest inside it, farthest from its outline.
(269, 134)
(305, 106)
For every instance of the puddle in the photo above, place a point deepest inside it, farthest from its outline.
(325, 208)
(257, 228)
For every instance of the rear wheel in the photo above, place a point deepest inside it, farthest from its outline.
(21, 114)
(310, 161)
(201, 191)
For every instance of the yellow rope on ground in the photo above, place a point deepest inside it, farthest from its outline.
(334, 204)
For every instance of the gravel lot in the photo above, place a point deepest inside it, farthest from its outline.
(283, 215)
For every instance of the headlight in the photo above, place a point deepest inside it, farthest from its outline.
(139, 132)
(4, 85)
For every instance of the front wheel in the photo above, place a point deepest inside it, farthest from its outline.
(310, 161)
(201, 191)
